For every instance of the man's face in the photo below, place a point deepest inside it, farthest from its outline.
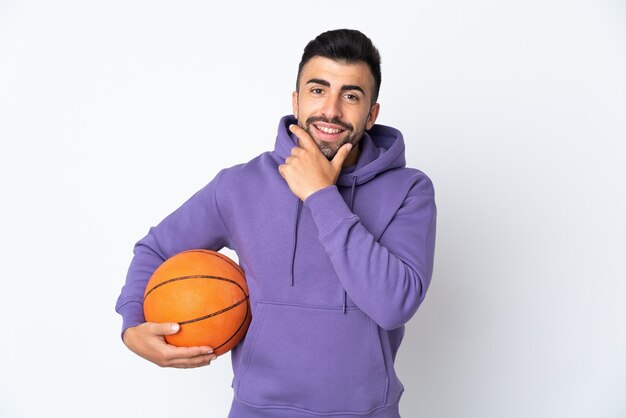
(334, 102)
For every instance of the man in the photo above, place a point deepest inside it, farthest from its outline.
(336, 238)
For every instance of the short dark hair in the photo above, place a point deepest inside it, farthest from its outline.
(347, 45)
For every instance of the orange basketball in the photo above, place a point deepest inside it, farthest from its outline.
(206, 293)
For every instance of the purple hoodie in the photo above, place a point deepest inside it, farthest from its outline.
(332, 279)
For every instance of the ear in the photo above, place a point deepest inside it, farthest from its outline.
(294, 103)
(371, 118)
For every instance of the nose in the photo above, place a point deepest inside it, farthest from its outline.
(331, 107)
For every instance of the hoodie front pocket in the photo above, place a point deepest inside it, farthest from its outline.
(313, 358)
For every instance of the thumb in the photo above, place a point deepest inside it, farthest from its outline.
(341, 155)
(166, 328)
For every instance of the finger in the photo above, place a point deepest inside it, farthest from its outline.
(163, 328)
(288, 160)
(304, 139)
(341, 155)
(295, 151)
(281, 169)
(193, 362)
(176, 353)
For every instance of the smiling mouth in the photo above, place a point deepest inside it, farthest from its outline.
(327, 130)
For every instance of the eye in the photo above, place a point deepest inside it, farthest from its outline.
(316, 91)
(351, 97)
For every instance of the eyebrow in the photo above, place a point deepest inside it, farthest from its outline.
(327, 84)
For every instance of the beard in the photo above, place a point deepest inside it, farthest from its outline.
(329, 149)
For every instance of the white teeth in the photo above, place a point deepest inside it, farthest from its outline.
(328, 130)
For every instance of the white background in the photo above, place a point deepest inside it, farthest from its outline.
(112, 113)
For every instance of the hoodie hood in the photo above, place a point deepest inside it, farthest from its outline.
(381, 149)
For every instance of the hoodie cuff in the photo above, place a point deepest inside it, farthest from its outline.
(132, 314)
(328, 209)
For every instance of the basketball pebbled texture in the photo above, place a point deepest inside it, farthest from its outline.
(206, 293)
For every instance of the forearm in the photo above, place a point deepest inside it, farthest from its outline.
(130, 302)
(387, 279)
(195, 224)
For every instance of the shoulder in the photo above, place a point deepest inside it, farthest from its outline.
(265, 162)
(252, 178)
(409, 179)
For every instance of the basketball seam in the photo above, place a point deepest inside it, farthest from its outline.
(238, 329)
(220, 256)
(200, 318)
(195, 276)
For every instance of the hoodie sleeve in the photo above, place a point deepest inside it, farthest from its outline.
(387, 279)
(196, 224)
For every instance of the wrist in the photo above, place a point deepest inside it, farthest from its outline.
(317, 191)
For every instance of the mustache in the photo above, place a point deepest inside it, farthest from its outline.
(334, 121)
